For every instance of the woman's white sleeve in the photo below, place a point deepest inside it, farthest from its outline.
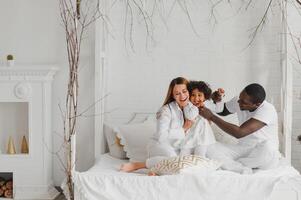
(164, 130)
(190, 111)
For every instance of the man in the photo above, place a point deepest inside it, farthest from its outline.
(257, 132)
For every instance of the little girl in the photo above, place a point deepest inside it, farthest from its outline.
(200, 135)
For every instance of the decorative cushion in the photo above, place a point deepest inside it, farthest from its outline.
(189, 163)
(135, 138)
(222, 136)
(118, 141)
(115, 148)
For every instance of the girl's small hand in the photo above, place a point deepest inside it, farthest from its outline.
(221, 92)
(218, 95)
(187, 125)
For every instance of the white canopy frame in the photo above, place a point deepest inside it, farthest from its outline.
(101, 44)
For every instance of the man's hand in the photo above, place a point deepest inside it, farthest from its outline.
(218, 95)
(206, 113)
(187, 125)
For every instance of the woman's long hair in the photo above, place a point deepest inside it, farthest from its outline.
(177, 81)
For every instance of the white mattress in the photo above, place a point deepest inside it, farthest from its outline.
(105, 181)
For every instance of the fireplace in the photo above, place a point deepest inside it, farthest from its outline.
(25, 131)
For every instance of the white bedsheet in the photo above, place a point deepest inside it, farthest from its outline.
(104, 182)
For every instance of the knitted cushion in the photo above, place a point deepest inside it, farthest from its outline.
(178, 164)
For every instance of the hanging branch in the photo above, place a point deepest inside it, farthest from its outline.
(184, 8)
(146, 17)
(131, 7)
(263, 19)
(261, 23)
(212, 12)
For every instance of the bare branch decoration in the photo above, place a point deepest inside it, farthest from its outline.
(261, 23)
(76, 19)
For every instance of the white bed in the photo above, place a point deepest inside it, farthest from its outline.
(105, 182)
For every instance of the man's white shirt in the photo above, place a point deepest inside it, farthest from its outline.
(265, 113)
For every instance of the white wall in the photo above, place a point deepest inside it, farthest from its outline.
(138, 81)
(31, 30)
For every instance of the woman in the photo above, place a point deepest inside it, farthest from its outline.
(171, 126)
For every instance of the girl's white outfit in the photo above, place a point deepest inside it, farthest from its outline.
(198, 137)
(169, 139)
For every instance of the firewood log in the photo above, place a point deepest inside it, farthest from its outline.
(8, 194)
(1, 192)
(2, 183)
(9, 185)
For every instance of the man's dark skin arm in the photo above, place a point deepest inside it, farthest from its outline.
(245, 129)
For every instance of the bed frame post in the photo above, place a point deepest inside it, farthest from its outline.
(286, 89)
(287, 111)
(100, 80)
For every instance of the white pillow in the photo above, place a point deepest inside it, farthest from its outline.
(189, 163)
(135, 137)
(223, 137)
(115, 149)
(220, 135)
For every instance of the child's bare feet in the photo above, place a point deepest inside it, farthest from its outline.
(129, 167)
(152, 174)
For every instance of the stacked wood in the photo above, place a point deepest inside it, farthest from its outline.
(6, 188)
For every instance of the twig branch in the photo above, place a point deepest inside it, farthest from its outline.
(261, 24)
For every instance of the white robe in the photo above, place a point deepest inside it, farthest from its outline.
(170, 132)
(200, 134)
(170, 120)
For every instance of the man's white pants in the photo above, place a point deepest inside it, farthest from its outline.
(243, 158)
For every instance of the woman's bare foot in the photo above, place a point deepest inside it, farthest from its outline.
(129, 167)
(152, 174)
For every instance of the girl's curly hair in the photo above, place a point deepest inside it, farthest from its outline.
(201, 86)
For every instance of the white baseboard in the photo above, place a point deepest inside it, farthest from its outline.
(35, 192)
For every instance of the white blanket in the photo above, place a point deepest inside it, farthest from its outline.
(104, 182)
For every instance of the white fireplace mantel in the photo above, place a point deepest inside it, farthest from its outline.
(31, 86)
(28, 72)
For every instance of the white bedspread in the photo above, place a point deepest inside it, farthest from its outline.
(104, 182)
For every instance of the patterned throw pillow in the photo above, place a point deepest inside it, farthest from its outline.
(178, 164)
